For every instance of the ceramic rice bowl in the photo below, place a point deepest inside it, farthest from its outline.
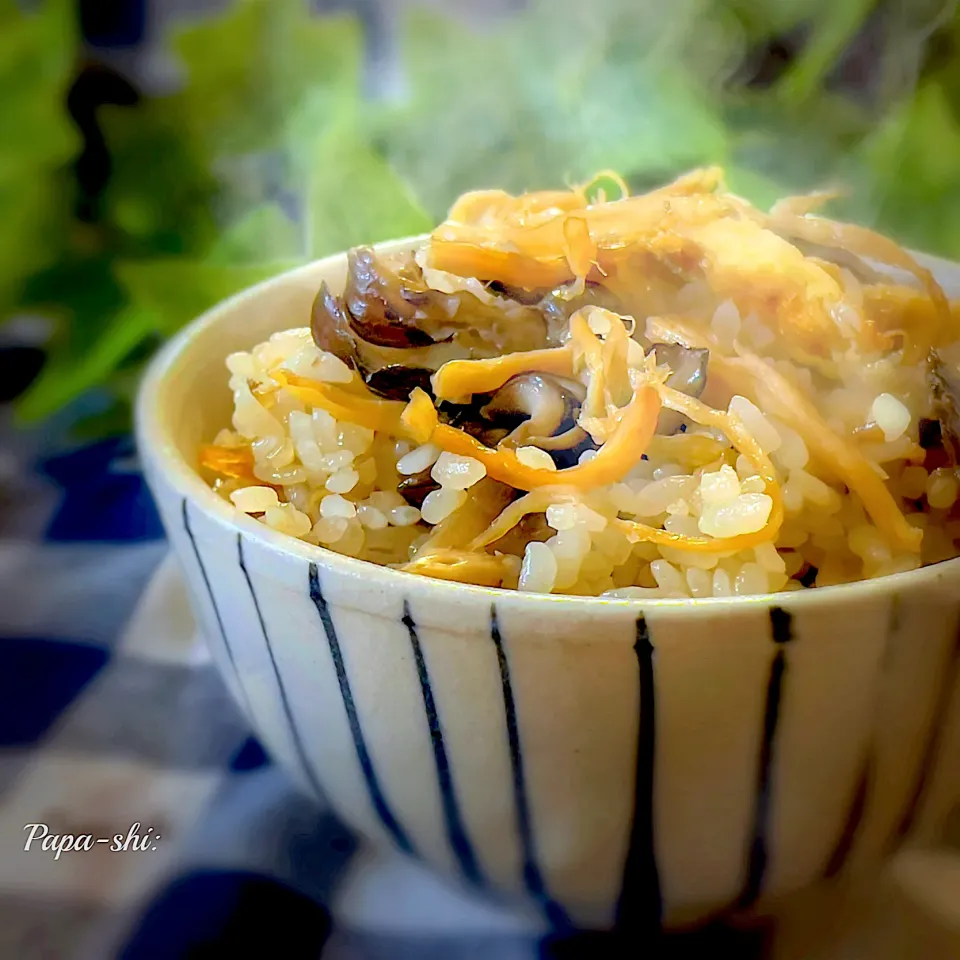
(606, 760)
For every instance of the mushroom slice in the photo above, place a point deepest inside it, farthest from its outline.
(944, 377)
(414, 489)
(546, 403)
(383, 309)
(689, 376)
(330, 326)
(397, 382)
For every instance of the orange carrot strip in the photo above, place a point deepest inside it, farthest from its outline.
(233, 462)
(845, 459)
(461, 566)
(419, 417)
(614, 459)
(745, 444)
(462, 378)
(365, 411)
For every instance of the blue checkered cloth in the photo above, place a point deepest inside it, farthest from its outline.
(112, 714)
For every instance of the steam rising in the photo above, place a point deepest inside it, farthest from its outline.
(786, 96)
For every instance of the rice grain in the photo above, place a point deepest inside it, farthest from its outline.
(538, 572)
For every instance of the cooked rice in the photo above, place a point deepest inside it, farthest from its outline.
(334, 483)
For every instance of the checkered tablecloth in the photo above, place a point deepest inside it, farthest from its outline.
(111, 715)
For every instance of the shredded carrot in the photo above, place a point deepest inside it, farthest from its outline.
(800, 206)
(461, 257)
(745, 443)
(462, 566)
(693, 448)
(539, 499)
(552, 238)
(605, 362)
(578, 247)
(778, 395)
(643, 533)
(459, 379)
(415, 420)
(480, 206)
(864, 243)
(772, 390)
(499, 238)
(895, 310)
(419, 417)
(365, 411)
(536, 501)
(486, 501)
(492, 207)
(638, 421)
(233, 462)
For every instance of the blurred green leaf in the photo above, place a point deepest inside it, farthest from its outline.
(265, 235)
(355, 197)
(833, 28)
(31, 219)
(913, 159)
(174, 291)
(37, 49)
(162, 190)
(918, 144)
(189, 215)
(247, 69)
(268, 153)
(760, 190)
(81, 293)
(763, 20)
(548, 98)
(62, 380)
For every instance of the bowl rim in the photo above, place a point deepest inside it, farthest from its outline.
(154, 438)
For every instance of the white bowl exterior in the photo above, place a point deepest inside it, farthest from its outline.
(667, 759)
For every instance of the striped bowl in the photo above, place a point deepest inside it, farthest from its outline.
(606, 761)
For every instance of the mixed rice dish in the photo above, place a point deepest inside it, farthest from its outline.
(666, 395)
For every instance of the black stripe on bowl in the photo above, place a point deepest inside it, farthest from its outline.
(456, 831)
(292, 727)
(532, 876)
(640, 907)
(377, 797)
(216, 610)
(781, 625)
(851, 826)
(861, 796)
(950, 683)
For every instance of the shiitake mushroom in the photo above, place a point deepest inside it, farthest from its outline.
(529, 298)
(547, 405)
(944, 379)
(332, 331)
(530, 407)
(388, 309)
(330, 326)
(689, 376)
(689, 366)
(469, 418)
(414, 489)
(397, 382)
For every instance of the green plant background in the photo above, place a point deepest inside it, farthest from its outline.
(269, 152)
